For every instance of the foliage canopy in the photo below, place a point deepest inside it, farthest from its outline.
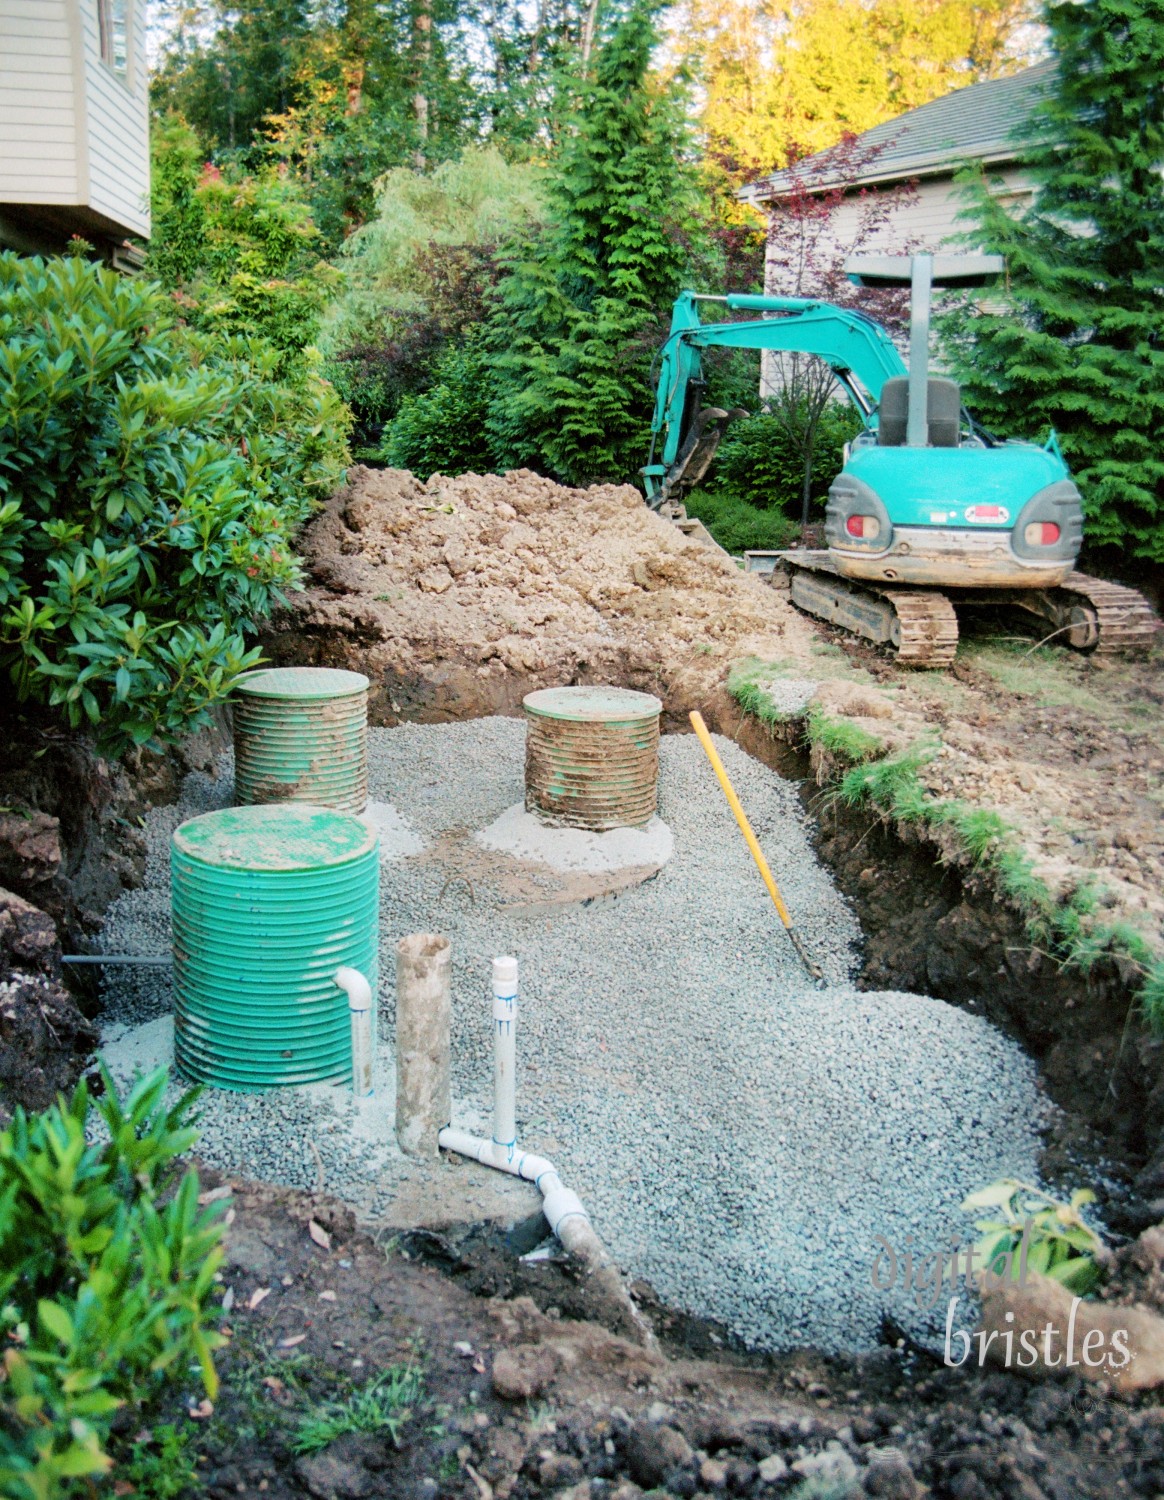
(152, 480)
(1076, 343)
(240, 251)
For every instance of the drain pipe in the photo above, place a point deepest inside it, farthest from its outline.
(359, 993)
(563, 1208)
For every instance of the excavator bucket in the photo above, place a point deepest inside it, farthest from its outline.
(694, 458)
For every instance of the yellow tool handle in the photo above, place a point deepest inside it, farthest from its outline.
(741, 816)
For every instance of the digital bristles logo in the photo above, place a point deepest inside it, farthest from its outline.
(959, 1271)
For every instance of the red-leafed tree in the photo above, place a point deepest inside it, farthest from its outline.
(822, 217)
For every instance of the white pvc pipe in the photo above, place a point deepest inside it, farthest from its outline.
(505, 1052)
(559, 1204)
(562, 1207)
(359, 993)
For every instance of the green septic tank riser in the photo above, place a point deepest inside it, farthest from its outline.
(268, 902)
(301, 734)
(592, 757)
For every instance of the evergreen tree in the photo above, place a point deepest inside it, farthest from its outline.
(1079, 341)
(229, 65)
(581, 308)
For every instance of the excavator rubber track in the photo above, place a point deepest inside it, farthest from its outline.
(920, 624)
(1088, 614)
(926, 633)
(1106, 618)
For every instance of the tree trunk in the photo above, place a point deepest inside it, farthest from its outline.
(589, 27)
(806, 491)
(421, 56)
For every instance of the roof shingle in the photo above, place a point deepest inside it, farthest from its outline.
(974, 123)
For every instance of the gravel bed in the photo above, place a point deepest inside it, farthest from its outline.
(742, 1140)
(788, 696)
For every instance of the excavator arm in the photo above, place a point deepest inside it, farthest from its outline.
(858, 351)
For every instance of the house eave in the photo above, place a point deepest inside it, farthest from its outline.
(53, 224)
(898, 175)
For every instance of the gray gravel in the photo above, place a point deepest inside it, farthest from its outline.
(789, 696)
(740, 1138)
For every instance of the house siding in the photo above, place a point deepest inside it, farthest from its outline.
(927, 220)
(117, 124)
(73, 133)
(38, 104)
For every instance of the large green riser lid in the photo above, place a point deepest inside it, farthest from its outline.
(268, 902)
(301, 733)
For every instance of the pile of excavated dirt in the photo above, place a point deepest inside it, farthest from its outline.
(461, 595)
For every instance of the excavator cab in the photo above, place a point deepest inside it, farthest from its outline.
(932, 502)
(943, 413)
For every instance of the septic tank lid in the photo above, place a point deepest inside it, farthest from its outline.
(302, 682)
(592, 704)
(275, 836)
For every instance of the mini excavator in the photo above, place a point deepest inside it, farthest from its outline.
(929, 509)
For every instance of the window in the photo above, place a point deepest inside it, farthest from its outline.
(113, 24)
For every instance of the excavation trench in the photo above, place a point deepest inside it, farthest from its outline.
(929, 925)
(926, 928)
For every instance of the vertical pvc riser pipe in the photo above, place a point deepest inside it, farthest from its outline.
(563, 1209)
(505, 1054)
(359, 993)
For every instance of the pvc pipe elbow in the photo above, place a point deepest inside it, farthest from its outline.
(534, 1168)
(559, 1204)
(356, 987)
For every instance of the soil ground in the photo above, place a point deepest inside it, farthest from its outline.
(521, 1394)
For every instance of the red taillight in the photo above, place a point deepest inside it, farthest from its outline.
(865, 527)
(1041, 534)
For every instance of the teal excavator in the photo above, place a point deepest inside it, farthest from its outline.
(929, 509)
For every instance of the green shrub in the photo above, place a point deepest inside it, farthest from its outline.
(739, 526)
(419, 274)
(152, 480)
(106, 1280)
(1028, 1230)
(240, 251)
(443, 429)
(761, 462)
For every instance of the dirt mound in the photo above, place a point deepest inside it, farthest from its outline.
(467, 593)
(44, 1038)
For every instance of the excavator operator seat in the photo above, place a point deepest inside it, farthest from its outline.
(943, 412)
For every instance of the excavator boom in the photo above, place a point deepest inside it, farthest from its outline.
(858, 351)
